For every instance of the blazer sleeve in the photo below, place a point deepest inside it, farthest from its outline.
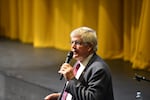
(94, 85)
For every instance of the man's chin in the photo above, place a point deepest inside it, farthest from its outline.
(75, 56)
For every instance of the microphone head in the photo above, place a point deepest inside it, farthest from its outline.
(70, 54)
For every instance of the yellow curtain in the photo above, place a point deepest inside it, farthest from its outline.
(122, 25)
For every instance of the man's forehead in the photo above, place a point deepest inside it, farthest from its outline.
(76, 38)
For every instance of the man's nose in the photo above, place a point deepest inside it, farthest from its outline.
(73, 45)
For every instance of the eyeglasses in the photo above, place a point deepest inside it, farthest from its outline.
(78, 43)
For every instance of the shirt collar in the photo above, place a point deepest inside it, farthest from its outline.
(85, 62)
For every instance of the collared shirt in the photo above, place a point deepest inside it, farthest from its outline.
(82, 66)
(79, 72)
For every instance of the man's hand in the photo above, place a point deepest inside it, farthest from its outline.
(53, 96)
(67, 70)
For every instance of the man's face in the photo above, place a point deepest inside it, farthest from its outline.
(81, 50)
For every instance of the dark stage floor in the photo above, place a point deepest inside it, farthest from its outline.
(28, 73)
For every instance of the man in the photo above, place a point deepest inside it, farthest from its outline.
(93, 79)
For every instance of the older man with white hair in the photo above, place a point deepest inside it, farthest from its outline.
(93, 79)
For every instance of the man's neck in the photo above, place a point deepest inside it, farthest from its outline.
(86, 60)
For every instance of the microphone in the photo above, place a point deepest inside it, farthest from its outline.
(139, 78)
(68, 59)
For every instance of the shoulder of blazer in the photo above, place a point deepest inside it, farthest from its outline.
(87, 66)
(95, 56)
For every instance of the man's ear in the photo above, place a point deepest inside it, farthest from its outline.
(90, 48)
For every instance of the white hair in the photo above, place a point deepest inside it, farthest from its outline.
(87, 34)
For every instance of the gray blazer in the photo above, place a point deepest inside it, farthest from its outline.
(95, 83)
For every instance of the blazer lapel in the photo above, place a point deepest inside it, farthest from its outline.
(81, 78)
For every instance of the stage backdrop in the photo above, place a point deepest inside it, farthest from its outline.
(122, 26)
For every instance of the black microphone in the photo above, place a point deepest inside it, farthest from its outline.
(139, 78)
(68, 59)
